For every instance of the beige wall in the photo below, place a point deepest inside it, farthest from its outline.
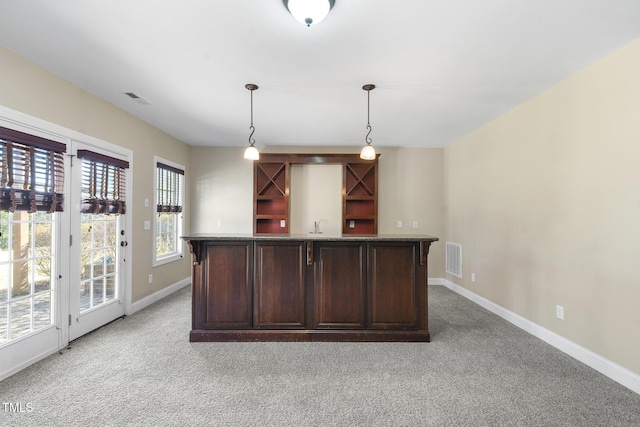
(34, 91)
(222, 190)
(410, 189)
(315, 197)
(545, 201)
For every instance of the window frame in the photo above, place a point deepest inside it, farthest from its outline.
(178, 254)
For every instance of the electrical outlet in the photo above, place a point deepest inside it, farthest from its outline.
(146, 203)
(399, 224)
(147, 225)
(283, 224)
(473, 277)
(219, 223)
(352, 224)
(151, 278)
(415, 224)
(560, 312)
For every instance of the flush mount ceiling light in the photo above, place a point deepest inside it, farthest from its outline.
(251, 153)
(309, 12)
(368, 152)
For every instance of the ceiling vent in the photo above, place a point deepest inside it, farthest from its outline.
(140, 100)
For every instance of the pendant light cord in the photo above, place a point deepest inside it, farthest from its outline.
(252, 128)
(366, 138)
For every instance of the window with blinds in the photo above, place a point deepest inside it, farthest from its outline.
(169, 188)
(169, 207)
(103, 183)
(31, 173)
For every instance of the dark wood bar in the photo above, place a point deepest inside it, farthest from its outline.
(309, 287)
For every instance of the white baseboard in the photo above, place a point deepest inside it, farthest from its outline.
(157, 296)
(606, 367)
(26, 363)
(26, 351)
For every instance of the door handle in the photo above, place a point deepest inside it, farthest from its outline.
(309, 253)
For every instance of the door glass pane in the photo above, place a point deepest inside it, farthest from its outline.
(85, 295)
(111, 288)
(42, 240)
(42, 310)
(98, 263)
(21, 233)
(98, 292)
(21, 285)
(5, 269)
(4, 329)
(110, 234)
(86, 231)
(4, 257)
(42, 274)
(98, 232)
(4, 235)
(20, 317)
(99, 254)
(110, 260)
(85, 266)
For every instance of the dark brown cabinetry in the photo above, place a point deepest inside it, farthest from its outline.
(223, 285)
(396, 299)
(271, 177)
(279, 285)
(271, 197)
(360, 197)
(340, 285)
(291, 289)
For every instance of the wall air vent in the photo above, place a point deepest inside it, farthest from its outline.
(454, 259)
(140, 100)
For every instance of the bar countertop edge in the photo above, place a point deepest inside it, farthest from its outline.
(313, 237)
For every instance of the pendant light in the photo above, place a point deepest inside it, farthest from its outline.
(251, 153)
(368, 152)
(309, 12)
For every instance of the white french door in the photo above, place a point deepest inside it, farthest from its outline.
(62, 274)
(98, 248)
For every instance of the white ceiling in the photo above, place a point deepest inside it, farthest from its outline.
(442, 68)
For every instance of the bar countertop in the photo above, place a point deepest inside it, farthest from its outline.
(313, 237)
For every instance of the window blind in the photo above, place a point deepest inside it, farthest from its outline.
(103, 183)
(169, 182)
(31, 172)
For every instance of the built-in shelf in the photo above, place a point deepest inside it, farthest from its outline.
(360, 197)
(271, 197)
(271, 191)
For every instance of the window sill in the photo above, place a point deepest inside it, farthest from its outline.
(166, 260)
